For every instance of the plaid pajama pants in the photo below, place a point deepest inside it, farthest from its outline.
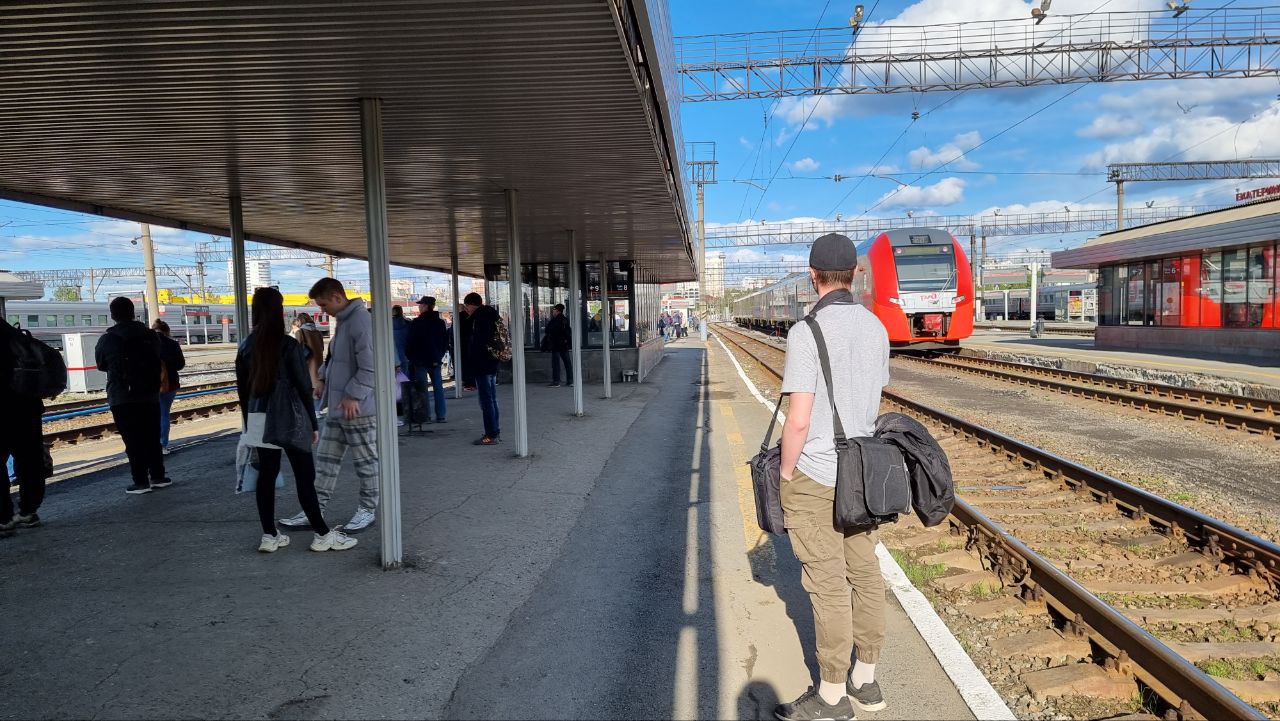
(336, 436)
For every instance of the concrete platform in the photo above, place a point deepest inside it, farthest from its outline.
(608, 576)
(1260, 371)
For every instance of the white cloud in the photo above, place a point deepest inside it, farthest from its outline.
(742, 140)
(1189, 137)
(1108, 126)
(950, 154)
(947, 191)
(805, 165)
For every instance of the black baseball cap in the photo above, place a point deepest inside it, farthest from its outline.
(833, 252)
(426, 300)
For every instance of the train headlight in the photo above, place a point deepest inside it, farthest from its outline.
(894, 300)
(959, 298)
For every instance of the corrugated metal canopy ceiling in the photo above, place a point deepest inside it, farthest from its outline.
(163, 107)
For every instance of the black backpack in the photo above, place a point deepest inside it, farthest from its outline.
(140, 358)
(38, 370)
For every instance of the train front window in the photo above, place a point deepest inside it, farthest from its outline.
(925, 268)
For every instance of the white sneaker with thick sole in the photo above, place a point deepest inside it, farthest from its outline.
(271, 544)
(298, 520)
(360, 521)
(334, 540)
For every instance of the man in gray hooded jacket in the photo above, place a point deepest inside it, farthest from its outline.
(346, 383)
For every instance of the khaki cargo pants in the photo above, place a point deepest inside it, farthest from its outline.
(841, 574)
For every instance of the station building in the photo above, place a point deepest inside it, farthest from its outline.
(1206, 282)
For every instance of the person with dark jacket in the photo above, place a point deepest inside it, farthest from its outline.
(21, 438)
(427, 342)
(464, 332)
(481, 366)
(558, 339)
(173, 360)
(129, 353)
(275, 393)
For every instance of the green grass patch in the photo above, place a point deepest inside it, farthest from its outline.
(1241, 669)
(918, 573)
(1180, 496)
(984, 591)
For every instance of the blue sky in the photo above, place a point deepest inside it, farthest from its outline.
(1088, 127)
(1053, 160)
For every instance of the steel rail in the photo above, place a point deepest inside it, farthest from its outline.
(1132, 650)
(70, 406)
(1195, 395)
(1131, 397)
(96, 431)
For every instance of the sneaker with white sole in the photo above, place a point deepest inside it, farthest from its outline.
(298, 520)
(334, 540)
(360, 521)
(27, 521)
(866, 697)
(271, 544)
(137, 489)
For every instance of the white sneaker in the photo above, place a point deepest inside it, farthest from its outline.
(164, 450)
(271, 544)
(362, 520)
(298, 520)
(334, 540)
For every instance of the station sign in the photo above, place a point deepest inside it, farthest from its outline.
(1263, 193)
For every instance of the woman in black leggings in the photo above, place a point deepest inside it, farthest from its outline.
(275, 403)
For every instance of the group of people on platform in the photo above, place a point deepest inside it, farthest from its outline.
(297, 400)
(671, 325)
(143, 368)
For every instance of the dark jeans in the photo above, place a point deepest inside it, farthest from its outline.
(139, 426)
(558, 357)
(433, 372)
(166, 405)
(488, 395)
(304, 475)
(21, 436)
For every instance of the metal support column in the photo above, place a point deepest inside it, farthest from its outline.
(606, 327)
(574, 314)
(516, 274)
(973, 270)
(1119, 205)
(375, 210)
(239, 283)
(1035, 292)
(456, 355)
(702, 263)
(979, 298)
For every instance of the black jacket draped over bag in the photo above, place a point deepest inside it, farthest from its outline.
(290, 416)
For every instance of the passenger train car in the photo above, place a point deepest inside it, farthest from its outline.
(917, 281)
(193, 324)
(1075, 302)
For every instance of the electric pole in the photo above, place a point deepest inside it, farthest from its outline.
(328, 265)
(149, 265)
(702, 172)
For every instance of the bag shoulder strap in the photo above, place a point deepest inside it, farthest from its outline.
(841, 440)
(764, 445)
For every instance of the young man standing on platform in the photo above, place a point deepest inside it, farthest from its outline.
(482, 367)
(129, 353)
(346, 383)
(427, 343)
(840, 569)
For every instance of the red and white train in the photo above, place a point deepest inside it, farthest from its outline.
(917, 281)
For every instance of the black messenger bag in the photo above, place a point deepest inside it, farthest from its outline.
(872, 486)
(766, 481)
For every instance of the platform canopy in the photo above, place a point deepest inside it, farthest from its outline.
(159, 111)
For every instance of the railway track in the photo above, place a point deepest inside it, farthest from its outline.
(1192, 589)
(1253, 415)
(98, 430)
(99, 404)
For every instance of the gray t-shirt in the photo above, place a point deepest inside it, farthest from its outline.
(858, 348)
